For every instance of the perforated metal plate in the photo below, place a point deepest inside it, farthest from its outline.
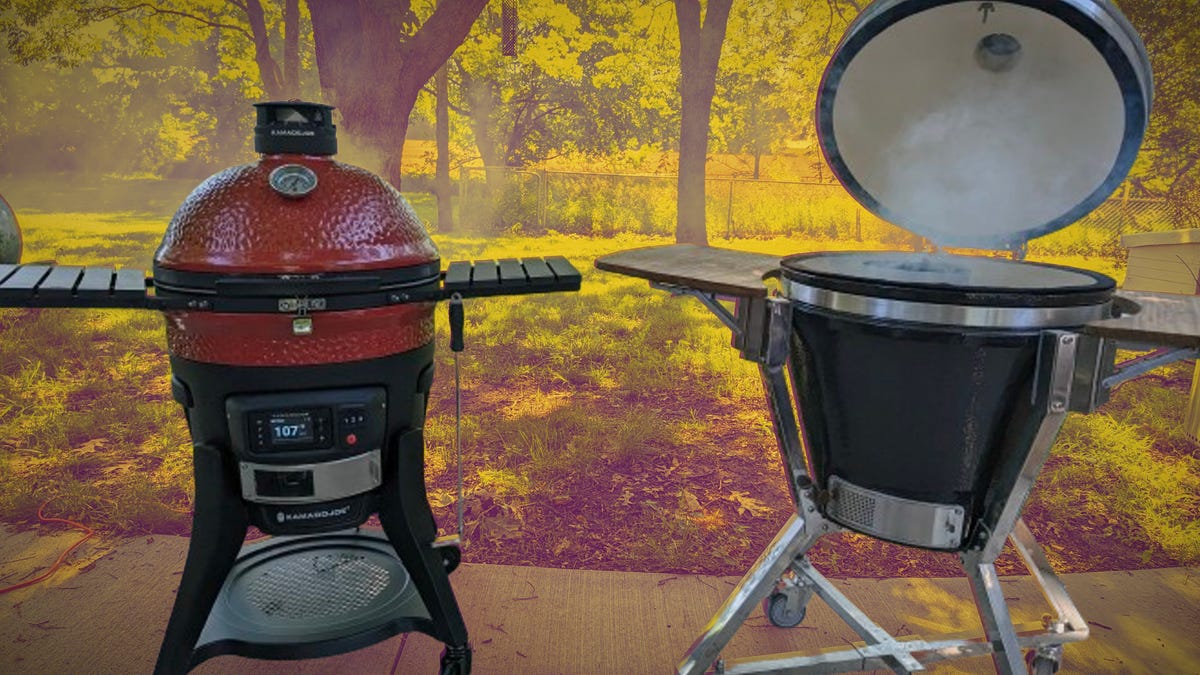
(315, 585)
(894, 518)
(298, 597)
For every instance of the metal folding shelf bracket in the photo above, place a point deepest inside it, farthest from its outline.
(783, 566)
(1136, 367)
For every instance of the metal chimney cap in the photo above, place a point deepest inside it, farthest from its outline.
(295, 127)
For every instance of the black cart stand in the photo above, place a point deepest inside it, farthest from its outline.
(1072, 377)
(330, 589)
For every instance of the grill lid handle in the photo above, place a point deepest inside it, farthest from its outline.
(456, 323)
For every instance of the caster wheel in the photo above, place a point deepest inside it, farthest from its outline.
(451, 557)
(456, 661)
(1041, 665)
(776, 609)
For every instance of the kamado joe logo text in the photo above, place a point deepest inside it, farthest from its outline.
(312, 515)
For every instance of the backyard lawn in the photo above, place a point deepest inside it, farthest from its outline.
(612, 428)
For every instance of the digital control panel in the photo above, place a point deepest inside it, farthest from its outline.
(308, 447)
(306, 429)
(333, 422)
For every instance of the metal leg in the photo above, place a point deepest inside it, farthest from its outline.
(997, 623)
(896, 659)
(219, 523)
(1055, 379)
(784, 422)
(1069, 618)
(408, 522)
(791, 543)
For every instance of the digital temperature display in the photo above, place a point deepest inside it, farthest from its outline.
(293, 427)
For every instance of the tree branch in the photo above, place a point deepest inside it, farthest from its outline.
(1179, 175)
(547, 111)
(438, 37)
(111, 11)
(268, 67)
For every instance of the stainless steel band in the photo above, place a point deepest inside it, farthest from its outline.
(918, 523)
(330, 480)
(968, 316)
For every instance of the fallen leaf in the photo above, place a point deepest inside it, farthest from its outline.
(91, 446)
(747, 504)
(439, 498)
(688, 501)
(501, 527)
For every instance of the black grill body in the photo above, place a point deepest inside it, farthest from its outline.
(222, 515)
(923, 414)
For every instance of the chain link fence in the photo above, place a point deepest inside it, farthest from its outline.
(503, 199)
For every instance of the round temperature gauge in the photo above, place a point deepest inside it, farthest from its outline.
(293, 180)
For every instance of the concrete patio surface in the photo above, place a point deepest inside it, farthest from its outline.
(106, 611)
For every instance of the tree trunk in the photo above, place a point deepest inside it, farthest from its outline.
(391, 133)
(268, 68)
(481, 100)
(756, 140)
(291, 48)
(441, 177)
(699, 54)
(373, 66)
(225, 105)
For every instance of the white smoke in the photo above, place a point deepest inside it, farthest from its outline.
(965, 155)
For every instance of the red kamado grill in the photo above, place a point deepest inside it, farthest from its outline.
(299, 297)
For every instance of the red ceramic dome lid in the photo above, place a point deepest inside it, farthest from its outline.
(237, 223)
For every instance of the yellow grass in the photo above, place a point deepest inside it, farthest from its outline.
(555, 387)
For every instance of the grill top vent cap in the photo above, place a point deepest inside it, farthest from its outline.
(295, 127)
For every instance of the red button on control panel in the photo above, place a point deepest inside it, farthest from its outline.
(351, 439)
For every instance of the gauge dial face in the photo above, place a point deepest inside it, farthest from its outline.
(293, 180)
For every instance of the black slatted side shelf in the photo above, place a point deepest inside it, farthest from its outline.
(539, 273)
(54, 286)
(564, 271)
(485, 275)
(511, 277)
(511, 272)
(25, 279)
(60, 282)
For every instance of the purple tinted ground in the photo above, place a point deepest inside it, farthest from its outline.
(675, 509)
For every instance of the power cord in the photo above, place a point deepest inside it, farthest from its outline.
(57, 563)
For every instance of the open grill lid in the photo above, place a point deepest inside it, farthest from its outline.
(984, 125)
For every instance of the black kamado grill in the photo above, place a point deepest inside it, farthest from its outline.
(914, 391)
(299, 298)
(930, 387)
